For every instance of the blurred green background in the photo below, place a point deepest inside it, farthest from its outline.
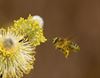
(78, 19)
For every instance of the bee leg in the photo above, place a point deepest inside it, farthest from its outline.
(66, 53)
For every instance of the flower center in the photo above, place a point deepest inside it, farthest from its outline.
(7, 47)
(8, 43)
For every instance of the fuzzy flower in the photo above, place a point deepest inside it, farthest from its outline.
(32, 28)
(16, 56)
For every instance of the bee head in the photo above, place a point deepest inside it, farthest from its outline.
(56, 39)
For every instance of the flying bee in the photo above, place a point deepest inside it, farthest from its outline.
(66, 46)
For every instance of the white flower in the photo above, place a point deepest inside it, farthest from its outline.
(16, 56)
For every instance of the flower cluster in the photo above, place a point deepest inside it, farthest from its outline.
(31, 28)
(18, 44)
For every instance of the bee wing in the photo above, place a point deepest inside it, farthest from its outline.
(72, 37)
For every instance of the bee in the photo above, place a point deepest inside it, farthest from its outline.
(65, 45)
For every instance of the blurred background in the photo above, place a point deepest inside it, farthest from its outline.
(78, 19)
